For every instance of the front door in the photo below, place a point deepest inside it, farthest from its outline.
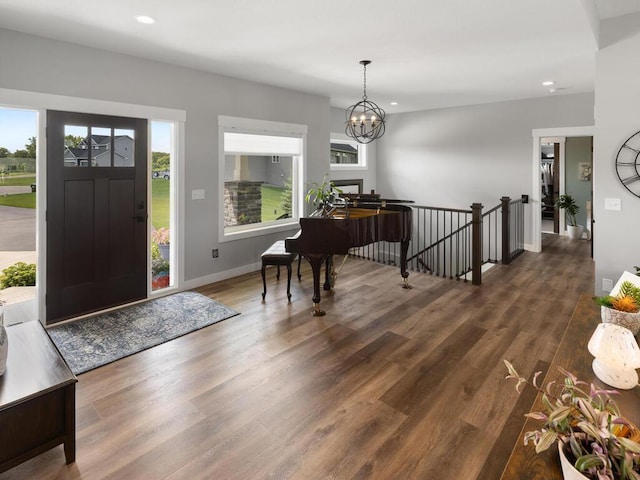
(96, 213)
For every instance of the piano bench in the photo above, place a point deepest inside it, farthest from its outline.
(277, 255)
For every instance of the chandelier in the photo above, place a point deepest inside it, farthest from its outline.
(365, 119)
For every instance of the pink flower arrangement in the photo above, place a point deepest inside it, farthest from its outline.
(161, 236)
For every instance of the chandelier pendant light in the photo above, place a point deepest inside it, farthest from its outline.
(364, 120)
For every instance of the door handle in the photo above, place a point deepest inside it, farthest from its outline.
(140, 218)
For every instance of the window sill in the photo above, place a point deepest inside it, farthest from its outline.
(343, 167)
(258, 231)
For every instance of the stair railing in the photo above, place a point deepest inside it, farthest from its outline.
(455, 243)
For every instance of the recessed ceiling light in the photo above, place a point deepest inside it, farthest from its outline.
(147, 20)
(393, 103)
(548, 83)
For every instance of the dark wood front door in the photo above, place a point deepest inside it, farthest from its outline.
(96, 213)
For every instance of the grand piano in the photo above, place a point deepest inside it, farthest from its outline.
(354, 222)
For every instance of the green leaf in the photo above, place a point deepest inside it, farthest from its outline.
(548, 438)
(629, 445)
(588, 461)
(589, 429)
(559, 414)
(587, 409)
(537, 416)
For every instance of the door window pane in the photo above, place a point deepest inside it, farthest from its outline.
(75, 148)
(124, 143)
(100, 146)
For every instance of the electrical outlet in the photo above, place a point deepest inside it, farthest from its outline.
(214, 254)
(607, 284)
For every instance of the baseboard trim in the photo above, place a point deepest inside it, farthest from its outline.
(220, 276)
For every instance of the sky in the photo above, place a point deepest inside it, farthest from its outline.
(17, 126)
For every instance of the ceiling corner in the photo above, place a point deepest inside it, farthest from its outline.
(592, 16)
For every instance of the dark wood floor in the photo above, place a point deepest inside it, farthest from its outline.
(390, 384)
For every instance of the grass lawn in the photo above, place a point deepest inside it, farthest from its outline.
(160, 202)
(271, 202)
(23, 200)
(10, 181)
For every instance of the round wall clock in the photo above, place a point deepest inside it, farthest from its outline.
(628, 164)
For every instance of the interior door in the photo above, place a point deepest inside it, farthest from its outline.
(96, 213)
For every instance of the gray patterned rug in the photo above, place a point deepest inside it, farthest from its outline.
(105, 338)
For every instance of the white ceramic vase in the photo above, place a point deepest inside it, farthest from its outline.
(569, 472)
(627, 320)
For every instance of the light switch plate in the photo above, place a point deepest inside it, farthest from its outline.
(612, 204)
(197, 194)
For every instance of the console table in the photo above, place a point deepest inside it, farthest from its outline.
(572, 355)
(37, 398)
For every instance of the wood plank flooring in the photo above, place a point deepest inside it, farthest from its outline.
(390, 384)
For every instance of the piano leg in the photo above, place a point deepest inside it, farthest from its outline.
(315, 260)
(404, 248)
(328, 280)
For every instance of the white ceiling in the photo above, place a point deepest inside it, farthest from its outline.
(425, 53)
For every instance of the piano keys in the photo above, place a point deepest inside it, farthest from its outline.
(371, 221)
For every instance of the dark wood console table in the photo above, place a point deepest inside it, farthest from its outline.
(37, 398)
(572, 355)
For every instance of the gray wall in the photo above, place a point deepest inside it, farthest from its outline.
(454, 157)
(577, 150)
(617, 106)
(41, 65)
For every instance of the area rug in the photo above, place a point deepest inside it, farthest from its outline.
(105, 338)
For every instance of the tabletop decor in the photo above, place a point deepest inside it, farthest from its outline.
(622, 307)
(616, 355)
(586, 424)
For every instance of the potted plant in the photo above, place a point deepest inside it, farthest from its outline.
(622, 309)
(586, 425)
(162, 237)
(321, 196)
(570, 207)
(160, 268)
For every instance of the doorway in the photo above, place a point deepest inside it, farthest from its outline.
(18, 139)
(96, 213)
(550, 188)
(536, 195)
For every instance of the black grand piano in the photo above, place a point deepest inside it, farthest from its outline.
(354, 222)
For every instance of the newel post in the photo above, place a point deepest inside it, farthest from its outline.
(506, 231)
(476, 243)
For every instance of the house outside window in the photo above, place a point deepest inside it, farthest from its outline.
(261, 170)
(347, 154)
